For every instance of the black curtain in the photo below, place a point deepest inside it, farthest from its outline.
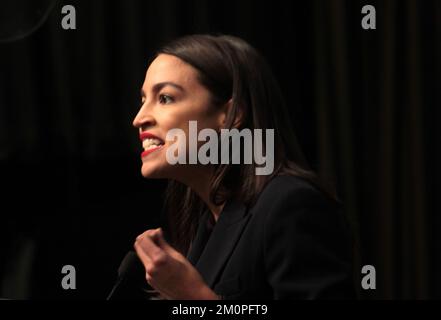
(365, 105)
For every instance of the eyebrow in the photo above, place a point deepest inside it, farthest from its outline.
(161, 85)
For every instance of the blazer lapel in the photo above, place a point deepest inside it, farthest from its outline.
(200, 240)
(222, 241)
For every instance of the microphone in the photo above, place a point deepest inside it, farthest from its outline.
(131, 279)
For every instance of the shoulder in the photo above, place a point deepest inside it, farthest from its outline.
(289, 200)
(306, 241)
(293, 190)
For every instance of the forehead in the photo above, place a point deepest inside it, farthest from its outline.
(168, 68)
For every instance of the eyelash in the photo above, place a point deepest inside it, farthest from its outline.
(161, 96)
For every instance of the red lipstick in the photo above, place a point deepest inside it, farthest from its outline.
(147, 152)
(148, 135)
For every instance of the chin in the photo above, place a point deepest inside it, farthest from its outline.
(151, 171)
(154, 165)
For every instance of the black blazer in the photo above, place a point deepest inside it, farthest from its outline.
(292, 244)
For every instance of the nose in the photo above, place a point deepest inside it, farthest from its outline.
(143, 119)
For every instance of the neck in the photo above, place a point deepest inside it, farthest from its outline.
(199, 182)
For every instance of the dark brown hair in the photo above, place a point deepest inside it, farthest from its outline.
(230, 68)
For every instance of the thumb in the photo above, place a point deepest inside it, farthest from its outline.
(162, 242)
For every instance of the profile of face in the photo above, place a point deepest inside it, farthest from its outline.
(172, 96)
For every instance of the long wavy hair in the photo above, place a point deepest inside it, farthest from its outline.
(230, 68)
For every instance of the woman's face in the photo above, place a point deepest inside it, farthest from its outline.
(171, 97)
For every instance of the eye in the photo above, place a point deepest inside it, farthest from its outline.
(165, 99)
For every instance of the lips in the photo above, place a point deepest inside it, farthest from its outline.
(148, 135)
(150, 143)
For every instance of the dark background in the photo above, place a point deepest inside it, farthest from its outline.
(365, 104)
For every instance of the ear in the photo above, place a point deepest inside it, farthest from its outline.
(226, 110)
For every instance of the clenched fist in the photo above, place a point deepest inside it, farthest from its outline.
(168, 271)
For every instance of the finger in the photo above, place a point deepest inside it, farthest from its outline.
(155, 235)
(146, 261)
(158, 256)
(160, 240)
(149, 246)
(148, 233)
(140, 250)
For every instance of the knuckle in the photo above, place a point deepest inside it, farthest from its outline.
(152, 271)
(159, 259)
(150, 232)
(155, 233)
(139, 238)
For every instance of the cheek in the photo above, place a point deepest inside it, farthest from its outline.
(172, 120)
(179, 117)
(192, 110)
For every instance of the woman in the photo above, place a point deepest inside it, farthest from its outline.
(234, 234)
